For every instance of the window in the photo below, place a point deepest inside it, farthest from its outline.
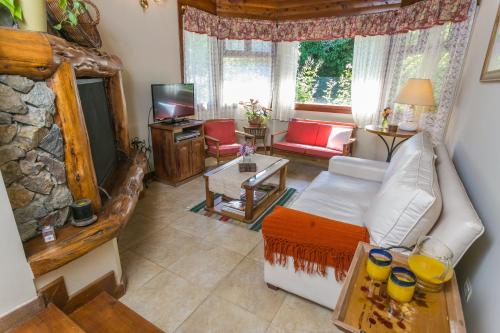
(324, 76)
(246, 71)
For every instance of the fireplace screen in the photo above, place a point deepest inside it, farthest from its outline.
(99, 127)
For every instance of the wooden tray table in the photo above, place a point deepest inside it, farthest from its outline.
(427, 312)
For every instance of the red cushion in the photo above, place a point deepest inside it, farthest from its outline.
(229, 149)
(322, 152)
(223, 130)
(290, 146)
(302, 132)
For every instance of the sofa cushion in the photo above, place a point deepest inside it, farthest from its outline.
(417, 143)
(302, 132)
(339, 136)
(337, 197)
(290, 146)
(459, 225)
(407, 205)
(232, 148)
(223, 130)
(322, 152)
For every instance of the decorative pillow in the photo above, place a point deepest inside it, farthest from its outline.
(408, 204)
(339, 136)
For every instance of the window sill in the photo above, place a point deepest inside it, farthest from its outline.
(327, 108)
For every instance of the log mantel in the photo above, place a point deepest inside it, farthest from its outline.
(73, 242)
(37, 55)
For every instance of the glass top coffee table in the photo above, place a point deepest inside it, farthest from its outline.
(257, 191)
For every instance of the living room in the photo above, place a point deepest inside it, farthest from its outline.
(374, 127)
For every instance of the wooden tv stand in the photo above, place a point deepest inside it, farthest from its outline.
(177, 162)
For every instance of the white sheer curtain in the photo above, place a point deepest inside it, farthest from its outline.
(436, 54)
(247, 68)
(368, 71)
(201, 67)
(284, 79)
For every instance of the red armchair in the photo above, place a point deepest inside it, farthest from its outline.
(221, 138)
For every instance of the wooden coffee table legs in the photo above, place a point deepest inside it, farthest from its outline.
(209, 195)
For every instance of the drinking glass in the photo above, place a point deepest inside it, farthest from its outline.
(378, 265)
(401, 285)
(431, 263)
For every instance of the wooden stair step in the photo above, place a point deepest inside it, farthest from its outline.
(106, 314)
(50, 320)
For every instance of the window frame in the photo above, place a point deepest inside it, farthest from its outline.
(325, 108)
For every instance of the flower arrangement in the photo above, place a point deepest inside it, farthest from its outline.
(246, 150)
(385, 116)
(256, 113)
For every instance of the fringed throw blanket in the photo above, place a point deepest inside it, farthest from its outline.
(314, 242)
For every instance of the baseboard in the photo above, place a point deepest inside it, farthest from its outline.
(21, 314)
(56, 292)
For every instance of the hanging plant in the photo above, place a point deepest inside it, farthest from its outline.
(14, 8)
(72, 9)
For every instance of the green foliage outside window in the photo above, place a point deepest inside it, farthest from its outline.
(325, 72)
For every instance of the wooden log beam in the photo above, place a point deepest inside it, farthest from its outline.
(26, 53)
(73, 242)
(118, 104)
(80, 172)
(87, 62)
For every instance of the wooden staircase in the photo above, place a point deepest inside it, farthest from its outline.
(102, 314)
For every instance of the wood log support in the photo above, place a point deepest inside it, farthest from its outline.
(80, 171)
(118, 104)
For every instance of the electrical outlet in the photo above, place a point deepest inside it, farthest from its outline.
(467, 290)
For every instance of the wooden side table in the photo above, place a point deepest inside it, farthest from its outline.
(382, 133)
(259, 133)
(359, 310)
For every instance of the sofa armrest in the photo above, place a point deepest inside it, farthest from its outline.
(246, 136)
(347, 149)
(358, 168)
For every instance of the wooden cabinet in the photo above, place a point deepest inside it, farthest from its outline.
(174, 161)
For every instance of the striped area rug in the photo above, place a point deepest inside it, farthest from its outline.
(257, 224)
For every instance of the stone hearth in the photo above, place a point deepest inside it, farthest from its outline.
(32, 155)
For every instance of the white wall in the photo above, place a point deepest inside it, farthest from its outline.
(473, 138)
(16, 278)
(148, 44)
(87, 269)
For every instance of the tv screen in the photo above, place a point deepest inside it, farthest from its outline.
(172, 101)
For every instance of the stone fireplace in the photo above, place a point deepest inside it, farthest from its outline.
(32, 155)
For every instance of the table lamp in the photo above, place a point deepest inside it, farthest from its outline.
(416, 92)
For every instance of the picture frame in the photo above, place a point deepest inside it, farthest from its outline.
(491, 67)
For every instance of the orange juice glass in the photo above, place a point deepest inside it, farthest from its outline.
(401, 285)
(378, 265)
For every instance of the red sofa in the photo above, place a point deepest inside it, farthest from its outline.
(314, 138)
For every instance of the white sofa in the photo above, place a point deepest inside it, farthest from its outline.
(346, 193)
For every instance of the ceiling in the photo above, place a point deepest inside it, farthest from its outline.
(294, 9)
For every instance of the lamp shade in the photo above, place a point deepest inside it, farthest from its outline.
(417, 92)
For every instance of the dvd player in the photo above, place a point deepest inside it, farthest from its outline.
(186, 135)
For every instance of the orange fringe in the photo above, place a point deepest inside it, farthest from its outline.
(314, 242)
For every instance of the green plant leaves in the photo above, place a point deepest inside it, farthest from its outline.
(72, 9)
(14, 8)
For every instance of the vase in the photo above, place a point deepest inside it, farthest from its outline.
(247, 159)
(34, 15)
(385, 123)
(255, 122)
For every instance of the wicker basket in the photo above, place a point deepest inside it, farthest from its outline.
(85, 32)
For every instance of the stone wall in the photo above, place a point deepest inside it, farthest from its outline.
(32, 155)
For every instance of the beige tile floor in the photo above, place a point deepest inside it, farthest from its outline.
(189, 273)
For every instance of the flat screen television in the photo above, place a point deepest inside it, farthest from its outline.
(172, 101)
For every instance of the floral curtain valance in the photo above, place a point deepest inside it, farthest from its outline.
(422, 15)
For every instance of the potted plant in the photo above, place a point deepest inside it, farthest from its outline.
(256, 113)
(71, 9)
(29, 14)
(246, 151)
